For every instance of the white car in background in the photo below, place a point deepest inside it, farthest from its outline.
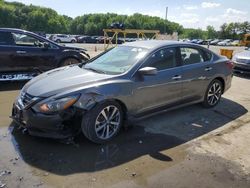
(63, 38)
(226, 42)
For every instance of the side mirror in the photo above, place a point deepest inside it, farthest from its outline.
(46, 45)
(149, 71)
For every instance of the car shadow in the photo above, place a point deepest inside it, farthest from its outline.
(148, 137)
(9, 86)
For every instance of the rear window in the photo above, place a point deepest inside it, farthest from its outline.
(6, 38)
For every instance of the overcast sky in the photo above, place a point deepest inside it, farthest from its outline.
(189, 13)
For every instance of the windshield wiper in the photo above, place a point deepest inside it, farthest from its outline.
(95, 70)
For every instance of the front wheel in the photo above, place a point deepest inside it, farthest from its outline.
(103, 122)
(213, 94)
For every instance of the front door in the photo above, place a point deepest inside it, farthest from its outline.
(162, 89)
(30, 53)
(6, 52)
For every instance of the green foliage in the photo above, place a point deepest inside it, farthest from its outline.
(227, 31)
(32, 18)
(211, 33)
(194, 34)
(35, 18)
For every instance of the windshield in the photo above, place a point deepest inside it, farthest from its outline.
(117, 61)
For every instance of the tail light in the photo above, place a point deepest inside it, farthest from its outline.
(230, 64)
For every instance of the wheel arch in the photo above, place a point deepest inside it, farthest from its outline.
(68, 57)
(221, 79)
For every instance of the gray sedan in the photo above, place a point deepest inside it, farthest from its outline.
(123, 84)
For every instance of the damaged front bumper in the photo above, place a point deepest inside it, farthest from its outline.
(58, 126)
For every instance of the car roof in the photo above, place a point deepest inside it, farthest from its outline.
(12, 30)
(154, 44)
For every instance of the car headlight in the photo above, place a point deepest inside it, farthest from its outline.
(56, 105)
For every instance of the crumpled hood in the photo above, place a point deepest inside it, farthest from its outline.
(61, 80)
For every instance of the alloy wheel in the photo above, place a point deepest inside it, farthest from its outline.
(107, 122)
(214, 93)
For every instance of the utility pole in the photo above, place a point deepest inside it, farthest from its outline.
(166, 18)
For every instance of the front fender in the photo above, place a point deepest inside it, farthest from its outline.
(121, 91)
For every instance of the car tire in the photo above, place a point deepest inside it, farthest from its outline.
(213, 94)
(103, 122)
(58, 41)
(73, 41)
(69, 61)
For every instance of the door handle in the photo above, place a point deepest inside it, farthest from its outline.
(208, 68)
(176, 77)
(21, 52)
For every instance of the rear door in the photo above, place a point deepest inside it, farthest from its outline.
(164, 88)
(30, 53)
(197, 71)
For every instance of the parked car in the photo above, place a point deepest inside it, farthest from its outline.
(200, 42)
(87, 39)
(127, 82)
(215, 42)
(117, 25)
(102, 38)
(242, 62)
(235, 43)
(63, 38)
(194, 41)
(208, 41)
(24, 54)
(226, 42)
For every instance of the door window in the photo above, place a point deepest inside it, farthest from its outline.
(26, 40)
(6, 38)
(191, 56)
(163, 59)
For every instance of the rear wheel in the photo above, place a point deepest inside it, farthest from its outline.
(103, 122)
(213, 94)
(69, 61)
(58, 41)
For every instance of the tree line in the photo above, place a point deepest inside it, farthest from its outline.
(233, 30)
(36, 18)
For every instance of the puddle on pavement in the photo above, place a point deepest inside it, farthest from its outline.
(124, 158)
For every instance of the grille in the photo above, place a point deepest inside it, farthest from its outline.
(243, 60)
(26, 98)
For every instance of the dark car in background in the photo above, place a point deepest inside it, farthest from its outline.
(87, 39)
(24, 54)
(127, 82)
